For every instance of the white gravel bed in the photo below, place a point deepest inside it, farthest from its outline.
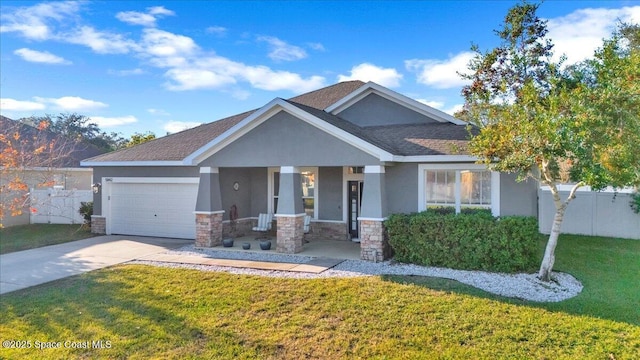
(520, 286)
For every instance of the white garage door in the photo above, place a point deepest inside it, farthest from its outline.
(153, 209)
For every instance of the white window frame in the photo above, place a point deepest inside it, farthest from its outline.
(271, 190)
(495, 184)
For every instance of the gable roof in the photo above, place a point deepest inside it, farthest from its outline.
(172, 149)
(190, 146)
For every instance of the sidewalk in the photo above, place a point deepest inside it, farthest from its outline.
(315, 266)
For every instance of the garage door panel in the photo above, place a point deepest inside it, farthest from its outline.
(152, 209)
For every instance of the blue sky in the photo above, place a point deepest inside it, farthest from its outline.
(163, 66)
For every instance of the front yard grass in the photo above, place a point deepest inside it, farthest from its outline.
(609, 269)
(149, 312)
(24, 237)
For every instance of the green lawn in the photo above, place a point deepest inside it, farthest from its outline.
(149, 312)
(25, 237)
(608, 268)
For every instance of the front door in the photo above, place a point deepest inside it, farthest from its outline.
(355, 201)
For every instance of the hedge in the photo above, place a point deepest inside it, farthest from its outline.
(476, 241)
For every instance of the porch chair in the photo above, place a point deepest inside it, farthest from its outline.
(307, 224)
(264, 224)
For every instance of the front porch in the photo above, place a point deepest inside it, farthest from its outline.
(339, 206)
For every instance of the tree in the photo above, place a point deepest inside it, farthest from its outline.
(555, 124)
(139, 138)
(79, 128)
(24, 148)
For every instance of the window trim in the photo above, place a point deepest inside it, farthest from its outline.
(271, 190)
(495, 184)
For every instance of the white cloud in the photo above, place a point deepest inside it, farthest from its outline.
(433, 104)
(217, 72)
(217, 30)
(388, 77)
(165, 44)
(453, 109)
(72, 103)
(131, 72)
(100, 42)
(580, 33)
(440, 106)
(145, 19)
(105, 122)
(187, 66)
(316, 46)
(160, 10)
(177, 126)
(40, 57)
(136, 18)
(189, 78)
(33, 22)
(441, 74)
(264, 78)
(7, 104)
(158, 112)
(281, 51)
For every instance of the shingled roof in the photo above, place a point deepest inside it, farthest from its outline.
(176, 147)
(407, 140)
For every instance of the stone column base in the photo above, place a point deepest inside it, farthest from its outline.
(98, 224)
(208, 229)
(374, 245)
(290, 234)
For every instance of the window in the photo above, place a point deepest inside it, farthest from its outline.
(308, 192)
(475, 189)
(459, 186)
(440, 187)
(308, 178)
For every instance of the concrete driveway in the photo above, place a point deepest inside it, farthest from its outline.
(27, 268)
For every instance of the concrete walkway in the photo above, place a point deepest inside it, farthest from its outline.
(23, 269)
(315, 266)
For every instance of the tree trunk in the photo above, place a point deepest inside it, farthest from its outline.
(549, 253)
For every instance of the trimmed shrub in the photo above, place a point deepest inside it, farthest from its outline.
(475, 241)
(86, 210)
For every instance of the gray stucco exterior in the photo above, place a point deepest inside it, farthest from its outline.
(330, 193)
(402, 188)
(374, 110)
(286, 140)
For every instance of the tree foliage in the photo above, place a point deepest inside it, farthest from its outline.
(24, 148)
(80, 128)
(139, 138)
(553, 123)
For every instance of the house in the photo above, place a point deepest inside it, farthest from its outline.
(56, 168)
(348, 155)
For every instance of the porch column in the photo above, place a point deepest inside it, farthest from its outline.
(290, 216)
(374, 245)
(209, 209)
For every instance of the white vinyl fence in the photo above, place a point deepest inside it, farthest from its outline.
(591, 213)
(53, 206)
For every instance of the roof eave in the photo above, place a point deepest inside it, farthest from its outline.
(435, 158)
(133, 163)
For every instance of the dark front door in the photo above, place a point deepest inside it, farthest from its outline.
(355, 201)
